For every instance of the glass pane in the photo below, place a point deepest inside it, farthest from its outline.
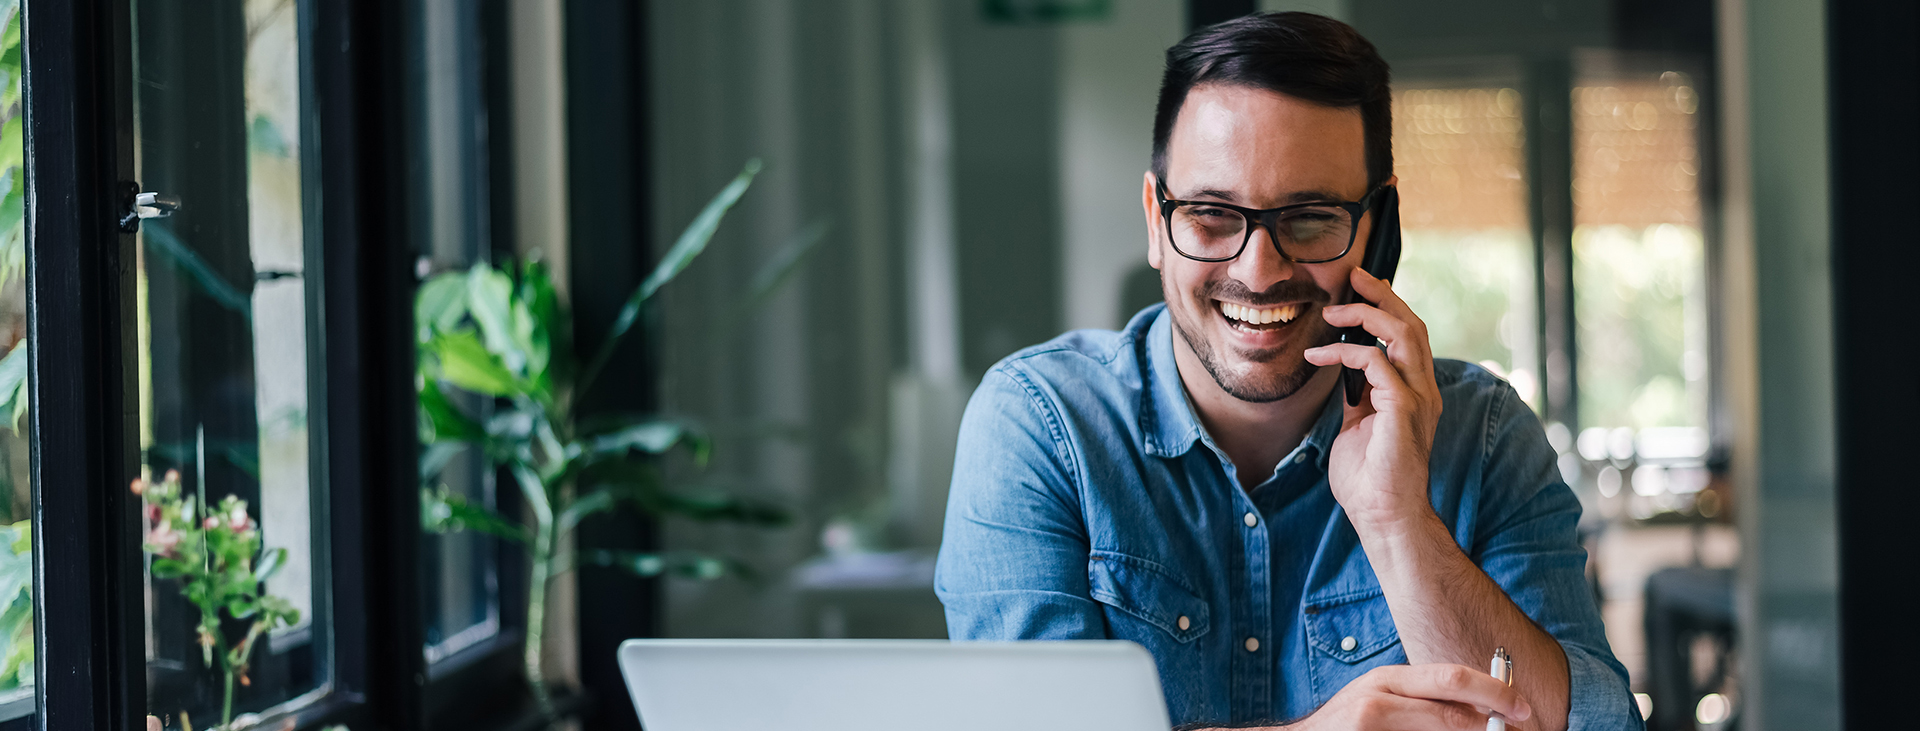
(1639, 267)
(1468, 256)
(16, 548)
(460, 593)
(228, 363)
(1640, 306)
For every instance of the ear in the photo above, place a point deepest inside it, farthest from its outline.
(1150, 205)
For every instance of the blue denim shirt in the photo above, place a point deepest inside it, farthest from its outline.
(1089, 503)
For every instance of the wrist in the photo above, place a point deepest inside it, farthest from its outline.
(1410, 533)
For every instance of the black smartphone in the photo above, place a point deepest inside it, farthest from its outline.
(1381, 259)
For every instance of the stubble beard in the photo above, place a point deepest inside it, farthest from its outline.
(1272, 374)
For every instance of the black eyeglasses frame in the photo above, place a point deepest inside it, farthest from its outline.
(1263, 218)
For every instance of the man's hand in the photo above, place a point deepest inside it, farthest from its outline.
(1378, 464)
(1417, 698)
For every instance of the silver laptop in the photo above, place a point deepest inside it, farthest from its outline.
(888, 685)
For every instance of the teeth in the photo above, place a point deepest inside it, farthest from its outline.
(1283, 313)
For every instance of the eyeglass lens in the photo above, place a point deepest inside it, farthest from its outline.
(1306, 233)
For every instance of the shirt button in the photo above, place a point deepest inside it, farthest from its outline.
(1300, 458)
(1346, 644)
(1184, 622)
(1253, 644)
(1251, 520)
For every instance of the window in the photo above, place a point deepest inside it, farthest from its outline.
(226, 336)
(1468, 256)
(1640, 265)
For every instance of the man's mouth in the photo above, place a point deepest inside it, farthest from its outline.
(1251, 319)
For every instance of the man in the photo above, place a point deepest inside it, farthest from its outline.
(1197, 484)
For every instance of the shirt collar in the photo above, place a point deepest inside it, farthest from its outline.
(1168, 425)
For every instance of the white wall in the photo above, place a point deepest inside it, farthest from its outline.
(1109, 76)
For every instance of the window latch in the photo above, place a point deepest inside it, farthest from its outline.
(146, 204)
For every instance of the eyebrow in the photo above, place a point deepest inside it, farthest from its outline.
(1299, 196)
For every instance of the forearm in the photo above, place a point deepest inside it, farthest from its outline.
(1447, 610)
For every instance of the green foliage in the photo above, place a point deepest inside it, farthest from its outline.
(13, 198)
(503, 334)
(16, 605)
(1640, 305)
(215, 554)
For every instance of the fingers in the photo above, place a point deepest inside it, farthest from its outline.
(1406, 341)
(1454, 684)
(1380, 292)
(1388, 382)
(1378, 711)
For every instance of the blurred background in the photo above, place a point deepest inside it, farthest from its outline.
(1620, 206)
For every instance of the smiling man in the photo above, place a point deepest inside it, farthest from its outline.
(1196, 483)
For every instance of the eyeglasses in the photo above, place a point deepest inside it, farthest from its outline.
(1305, 233)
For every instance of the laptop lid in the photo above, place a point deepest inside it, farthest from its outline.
(887, 685)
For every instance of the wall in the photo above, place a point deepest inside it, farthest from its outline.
(1773, 62)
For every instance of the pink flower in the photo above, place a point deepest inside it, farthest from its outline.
(238, 521)
(211, 523)
(154, 515)
(172, 476)
(162, 540)
(139, 486)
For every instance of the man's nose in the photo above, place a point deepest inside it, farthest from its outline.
(1260, 265)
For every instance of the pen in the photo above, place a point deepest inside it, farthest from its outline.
(1502, 671)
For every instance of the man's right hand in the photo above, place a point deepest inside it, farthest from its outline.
(1417, 698)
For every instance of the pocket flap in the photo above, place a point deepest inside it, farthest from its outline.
(1149, 591)
(1351, 627)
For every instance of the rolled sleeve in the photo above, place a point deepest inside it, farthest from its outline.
(1528, 543)
(1600, 699)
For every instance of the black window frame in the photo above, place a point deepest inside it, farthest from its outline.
(90, 634)
(78, 93)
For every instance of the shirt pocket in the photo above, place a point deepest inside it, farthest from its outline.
(1148, 592)
(1349, 634)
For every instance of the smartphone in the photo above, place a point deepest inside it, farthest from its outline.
(1381, 259)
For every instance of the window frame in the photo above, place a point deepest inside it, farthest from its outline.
(77, 93)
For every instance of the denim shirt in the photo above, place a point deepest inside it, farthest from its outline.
(1089, 503)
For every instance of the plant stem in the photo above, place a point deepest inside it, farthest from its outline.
(226, 707)
(542, 574)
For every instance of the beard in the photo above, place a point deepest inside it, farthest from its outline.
(1255, 376)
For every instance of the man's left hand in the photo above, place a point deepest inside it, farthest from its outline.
(1378, 465)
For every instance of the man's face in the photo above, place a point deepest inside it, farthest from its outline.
(1257, 149)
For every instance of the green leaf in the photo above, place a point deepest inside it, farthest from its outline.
(785, 261)
(440, 304)
(652, 436)
(490, 302)
(442, 511)
(552, 337)
(242, 608)
(270, 563)
(13, 384)
(168, 568)
(435, 457)
(689, 564)
(466, 363)
(691, 242)
(598, 501)
(448, 421)
(12, 143)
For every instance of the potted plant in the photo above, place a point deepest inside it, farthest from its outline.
(502, 333)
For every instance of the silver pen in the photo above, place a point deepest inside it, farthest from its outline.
(1502, 671)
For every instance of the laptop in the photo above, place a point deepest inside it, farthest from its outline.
(888, 685)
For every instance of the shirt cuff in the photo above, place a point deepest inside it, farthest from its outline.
(1598, 698)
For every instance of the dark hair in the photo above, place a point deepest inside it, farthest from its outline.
(1302, 55)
